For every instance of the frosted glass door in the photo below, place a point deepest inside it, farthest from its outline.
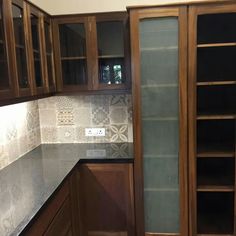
(160, 123)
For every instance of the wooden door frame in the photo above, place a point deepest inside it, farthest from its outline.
(135, 16)
(193, 13)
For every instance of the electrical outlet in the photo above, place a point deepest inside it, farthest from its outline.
(95, 132)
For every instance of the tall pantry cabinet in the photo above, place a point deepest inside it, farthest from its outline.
(159, 71)
(184, 95)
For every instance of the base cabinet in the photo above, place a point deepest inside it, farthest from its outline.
(94, 200)
(106, 199)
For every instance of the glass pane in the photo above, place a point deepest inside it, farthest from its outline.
(49, 53)
(47, 37)
(20, 46)
(50, 71)
(21, 68)
(216, 28)
(4, 80)
(160, 123)
(74, 72)
(72, 40)
(111, 71)
(110, 36)
(36, 49)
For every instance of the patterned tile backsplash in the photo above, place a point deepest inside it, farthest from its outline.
(19, 131)
(63, 119)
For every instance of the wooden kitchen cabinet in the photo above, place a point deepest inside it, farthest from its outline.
(59, 216)
(106, 199)
(212, 115)
(92, 52)
(159, 76)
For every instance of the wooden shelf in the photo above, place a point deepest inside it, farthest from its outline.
(111, 56)
(159, 86)
(72, 58)
(215, 83)
(20, 46)
(159, 49)
(217, 150)
(216, 117)
(215, 234)
(215, 188)
(210, 45)
(160, 118)
(36, 51)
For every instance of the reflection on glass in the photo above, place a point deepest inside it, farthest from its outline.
(20, 46)
(36, 49)
(74, 72)
(4, 81)
(72, 40)
(48, 53)
(110, 36)
(111, 71)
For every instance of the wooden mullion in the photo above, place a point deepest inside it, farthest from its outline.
(29, 49)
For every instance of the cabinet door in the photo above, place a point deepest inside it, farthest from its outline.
(71, 54)
(212, 97)
(112, 51)
(106, 199)
(35, 52)
(20, 61)
(159, 59)
(6, 82)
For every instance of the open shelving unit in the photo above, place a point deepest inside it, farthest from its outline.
(215, 124)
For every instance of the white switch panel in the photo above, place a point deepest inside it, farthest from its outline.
(95, 132)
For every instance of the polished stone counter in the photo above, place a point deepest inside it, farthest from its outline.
(28, 183)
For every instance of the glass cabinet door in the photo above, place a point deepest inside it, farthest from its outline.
(5, 84)
(161, 152)
(111, 52)
(35, 35)
(20, 46)
(73, 56)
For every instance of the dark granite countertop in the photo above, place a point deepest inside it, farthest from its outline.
(28, 183)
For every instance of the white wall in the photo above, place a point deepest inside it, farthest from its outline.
(56, 7)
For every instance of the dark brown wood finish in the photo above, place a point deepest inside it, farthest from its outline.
(90, 21)
(194, 12)
(135, 16)
(37, 89)
(11, 91)
(58, 66)
(106, 199)
(119, 17)
(21, 92)
(47, 53)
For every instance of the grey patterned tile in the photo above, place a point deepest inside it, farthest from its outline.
(100, 101)
(47, 117)
(65, 117)
(63, 102)
(11, 132)
(100, 116)
(118, 100)
(47, 103)
(118, 115)
(49, 135)
(83, 116)
(66, 134)
(119, 133)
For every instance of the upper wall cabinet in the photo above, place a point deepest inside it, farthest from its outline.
(159, 76)
(91, 52)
